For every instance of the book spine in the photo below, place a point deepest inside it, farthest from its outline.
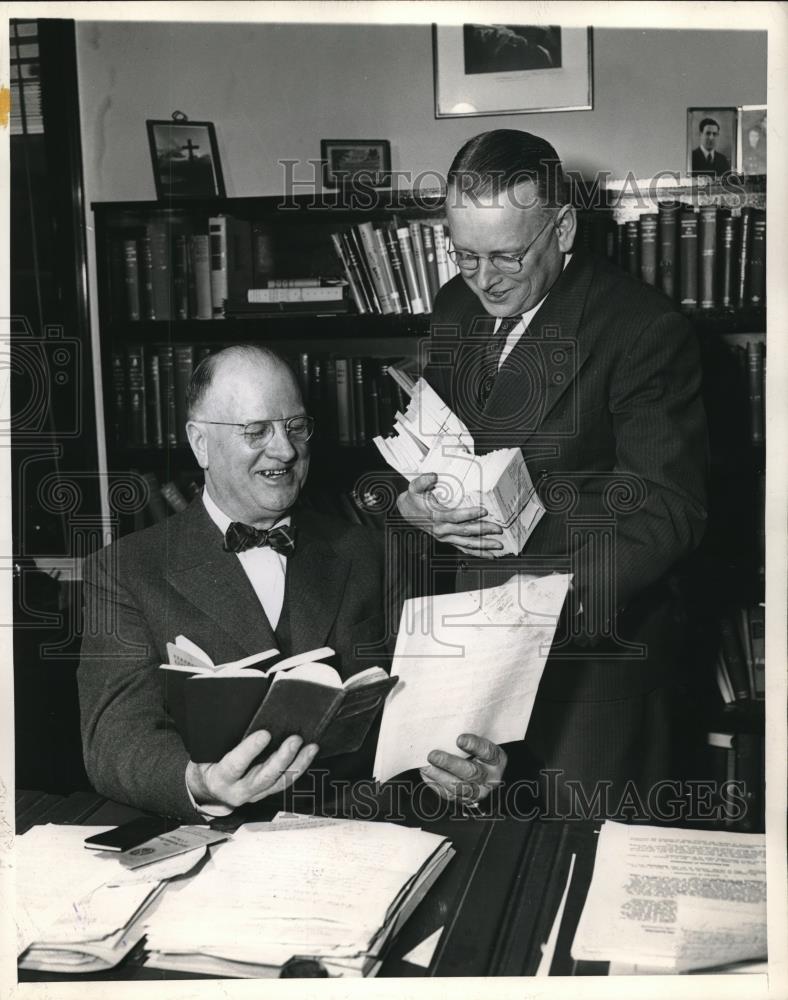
(153, 399)
(359, 402)
(184, 366)
(239, 258)
(355, 250)
(161, 271)
(392, 246)
(180, 276)
(688, 234)
(344, 390)
(648, 248)
(708, 256)
(330, 415)
(756, 372)
(431, 264)
(262, 253)
(369, 243)
(757, 289)
(387, 271)
(760, 489)
(131, 279)
(119, 395)
(409, 270)
(269, 296)
(748, 748)
(301, 282)
(167, 382)
(668, 238)
(733, 659)
(351, 273)
(174, 497)
(632, 235)
(727, 272)
(386, 403)
(372, 401)
(135, 380)
(303, 374)
(217, 234)
(145, 261)
(156, 506)
(621, 253)
(744, 256)
(201, 269)
(441, 258)
(316, 397)
(421, 266)
(757, 624)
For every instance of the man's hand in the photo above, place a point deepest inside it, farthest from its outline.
(467, 779)
(462, 527)
(233, 781)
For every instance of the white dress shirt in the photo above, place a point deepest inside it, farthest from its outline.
(265, 568)
(517, 331)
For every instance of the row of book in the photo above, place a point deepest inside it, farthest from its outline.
(168, 270)
(352, 399)
(713, 258)
(741, 657)
(395, 269)
(751, 360)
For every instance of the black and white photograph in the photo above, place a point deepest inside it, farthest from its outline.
(395, 535)
(711, 141)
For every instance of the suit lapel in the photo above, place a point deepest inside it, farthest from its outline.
(316, 580)
(214, 581)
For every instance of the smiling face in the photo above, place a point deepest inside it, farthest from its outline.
(507, 223)
(256, 485)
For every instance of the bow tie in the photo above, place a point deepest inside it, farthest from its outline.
(239, 537)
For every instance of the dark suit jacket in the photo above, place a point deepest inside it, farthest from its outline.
(602, 394)
(175, 578)
(719, 164)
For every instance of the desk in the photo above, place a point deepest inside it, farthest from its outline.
(496, 900)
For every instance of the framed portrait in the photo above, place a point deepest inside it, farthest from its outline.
(185, 159)
(751, 155)
(501, 69)
(360, 161)
(711, 141)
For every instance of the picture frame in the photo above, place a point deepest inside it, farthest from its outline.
(751, 145)
(511, 69)
(356, 161)
(178, 174)
(711, 141)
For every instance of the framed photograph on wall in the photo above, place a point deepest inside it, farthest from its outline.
(502, 69)
(751, 147)
(185, 159)
(711, 141)
(361, 161)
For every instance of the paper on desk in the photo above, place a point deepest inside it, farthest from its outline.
(711, 932)
(633, 912)
(467, 662)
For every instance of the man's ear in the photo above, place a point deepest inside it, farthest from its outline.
(566, 228)
(198, 441)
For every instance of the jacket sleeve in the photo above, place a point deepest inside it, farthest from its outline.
(133, 753)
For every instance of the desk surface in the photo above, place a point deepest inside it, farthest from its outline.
(496, 900)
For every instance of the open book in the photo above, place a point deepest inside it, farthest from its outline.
(215, 706)
(429, 437)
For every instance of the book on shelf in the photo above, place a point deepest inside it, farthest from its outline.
(707, 246)
(421, 265)
(388, 272)
(647, 233)
(409, 268)
(757, 287)
(369, 244)
(733, 659)
(322, 295)
(351, 274)
(135, 382)
(688, 249)
(183, 365)
(231, 261)
(118, 410)
(169, 410)
(728, 235)
(359, 403)
(741, 655)
(214, 706)
(180, 276)
(263, 253)
(430, 260)
(200, 297)
(131, 279)
(668, 217)
(744, 256)
(175, 499)
(756, 380)
(397, 266)
(441, 257)
(153, 398)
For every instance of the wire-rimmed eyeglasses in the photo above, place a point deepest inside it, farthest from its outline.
(509, 263)
(258, 433)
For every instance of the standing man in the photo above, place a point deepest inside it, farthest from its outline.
(705, 158)
(537, 345)
(239, 572)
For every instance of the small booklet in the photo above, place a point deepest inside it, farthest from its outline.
(215, 706)
(429, 437)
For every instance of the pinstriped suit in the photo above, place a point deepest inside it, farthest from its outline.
(602, 394)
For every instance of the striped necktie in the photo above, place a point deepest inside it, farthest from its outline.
(492, 356)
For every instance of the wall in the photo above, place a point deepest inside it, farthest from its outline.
(276, 90)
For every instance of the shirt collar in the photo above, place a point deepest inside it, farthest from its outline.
(220, 519)
(529, 314)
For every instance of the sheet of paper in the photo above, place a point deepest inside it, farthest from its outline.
(467, 662)
(548, 948)
(422, 954)
(632, 911)
(711, 932)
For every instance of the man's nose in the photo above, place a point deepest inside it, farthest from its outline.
(487, 275)
(280, 446)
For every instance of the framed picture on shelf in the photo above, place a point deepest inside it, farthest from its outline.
(360, 161)
(751, 147)
(500, 69)
(711, 141)
(185, 159)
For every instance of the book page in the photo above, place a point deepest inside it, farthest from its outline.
(636, 910)
(467, 662)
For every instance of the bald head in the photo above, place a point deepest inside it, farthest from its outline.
(219, 370)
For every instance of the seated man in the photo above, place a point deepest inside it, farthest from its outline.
(304, 580)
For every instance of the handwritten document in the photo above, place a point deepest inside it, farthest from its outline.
(687, 899)
(467, 662)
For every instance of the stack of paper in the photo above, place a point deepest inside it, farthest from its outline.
(666, 900)
(429, 437)
(334, 891)
(78, 910)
